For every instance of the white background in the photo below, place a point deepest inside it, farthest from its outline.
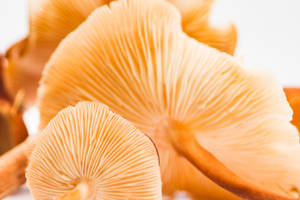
(269, 38)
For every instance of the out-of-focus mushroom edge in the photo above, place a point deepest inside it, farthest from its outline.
(3, 92)
(12, 132)
(293, 97)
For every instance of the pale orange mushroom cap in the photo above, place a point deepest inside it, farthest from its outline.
(134, 57)
(51, 20)
(89, 152)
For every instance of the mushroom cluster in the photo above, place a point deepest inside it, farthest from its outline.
(140, 99)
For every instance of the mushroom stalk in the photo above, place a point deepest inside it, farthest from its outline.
(80, 192)
(186, 144)
(12, 167)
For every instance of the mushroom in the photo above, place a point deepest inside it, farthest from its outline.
(293, 97)
(89, 152)
(203, 110)
(12, 127)
(51, 20)
(12, 132)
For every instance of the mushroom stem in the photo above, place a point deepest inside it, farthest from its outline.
(12, 167)
(186, 144)
(80, 192)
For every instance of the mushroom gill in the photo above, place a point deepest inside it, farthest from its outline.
(89, 152)
(51, 20)
(134, 57)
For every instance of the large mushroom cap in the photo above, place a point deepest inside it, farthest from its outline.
(51, 20)
(134, 57)
(93, 150)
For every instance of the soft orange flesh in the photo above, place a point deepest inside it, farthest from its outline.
(293, 97)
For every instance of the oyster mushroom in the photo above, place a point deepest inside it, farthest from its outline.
(51, 20)
(293, 97)
(202, 109)
(89, 152)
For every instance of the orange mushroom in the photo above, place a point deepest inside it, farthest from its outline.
(293, 97)
(51, 20)
(88, 152)
(12, 127)
(202, 109)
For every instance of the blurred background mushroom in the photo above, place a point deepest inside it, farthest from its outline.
(88, 152)
(147, 70)
(12, 127)
(13, 130)
(51, 20)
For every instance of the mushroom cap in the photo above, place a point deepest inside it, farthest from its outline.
(51, 20)
(134, 57)
(89, 144)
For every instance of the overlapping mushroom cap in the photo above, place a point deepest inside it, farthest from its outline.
(134, 57)
(51, 20)
(90, 152)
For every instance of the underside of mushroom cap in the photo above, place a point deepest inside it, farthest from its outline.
(134, 57)
(93, 150)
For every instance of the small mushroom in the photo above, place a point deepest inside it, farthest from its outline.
(88, 152)
(203, 110)
(51, 20)
(293, 97)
